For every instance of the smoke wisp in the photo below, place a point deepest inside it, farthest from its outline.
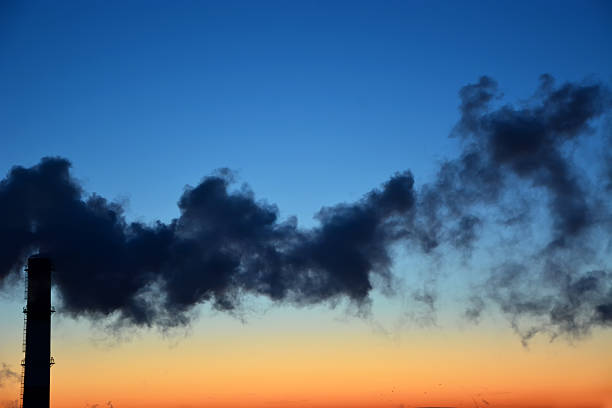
(6, 374)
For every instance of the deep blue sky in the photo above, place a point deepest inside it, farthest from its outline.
(311, 102)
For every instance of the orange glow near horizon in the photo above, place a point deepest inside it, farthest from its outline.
(223, 364)
(346, 368)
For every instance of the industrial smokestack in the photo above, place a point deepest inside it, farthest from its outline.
(38, 360)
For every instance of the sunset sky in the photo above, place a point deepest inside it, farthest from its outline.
(311, 104)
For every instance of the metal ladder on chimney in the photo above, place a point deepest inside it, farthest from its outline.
(23, 347)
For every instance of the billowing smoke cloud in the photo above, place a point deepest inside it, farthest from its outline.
(226, 243)
(223, 245)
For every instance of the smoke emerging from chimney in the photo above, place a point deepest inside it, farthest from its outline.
(226, 243)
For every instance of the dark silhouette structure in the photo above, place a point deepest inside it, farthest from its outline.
(38, 360)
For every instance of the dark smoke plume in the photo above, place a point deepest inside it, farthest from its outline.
(226, 243)
(223, 245)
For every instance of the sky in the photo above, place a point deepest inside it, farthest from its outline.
(311, 104)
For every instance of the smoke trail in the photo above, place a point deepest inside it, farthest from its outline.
(226, 243)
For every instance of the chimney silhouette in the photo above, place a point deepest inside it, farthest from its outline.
(38, 361)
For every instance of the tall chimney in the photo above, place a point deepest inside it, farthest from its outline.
(38, 361)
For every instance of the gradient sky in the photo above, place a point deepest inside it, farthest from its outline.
(312, 103)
